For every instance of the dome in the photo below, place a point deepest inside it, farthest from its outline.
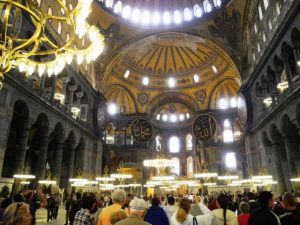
(166, 13)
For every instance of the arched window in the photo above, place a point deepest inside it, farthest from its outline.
(59, 28)
(230, 161)
(270, 25)
(158, 145)
(227, 131)
(255, 28)
(174, 144)
(190, 166)
(189, 142)
(266, 3)
(50, 11)
(277, 8)
(260, 13)
(207, 6)
(175, 169)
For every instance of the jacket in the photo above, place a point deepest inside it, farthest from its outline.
(132, 220)
(219, 218)
(290, 217)
(263, 216)
(205, 219)
(156, 216)
(170, 210)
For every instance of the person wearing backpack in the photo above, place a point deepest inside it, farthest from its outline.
(183, 215)
(75, 207)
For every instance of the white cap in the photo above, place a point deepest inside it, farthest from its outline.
(137, 204)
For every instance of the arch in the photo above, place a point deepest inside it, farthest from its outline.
(287, 127)
(288, 54)
(189, 142)
(175, 169)
(258, 90)
(278, 64)
(295, 36)
(226, 88)
(17, 139)
(265, 140)
(190, 166)
(122, 96)
(298, 114)
(179, 97)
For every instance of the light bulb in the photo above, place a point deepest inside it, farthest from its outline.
(80, 58)
(41, 69)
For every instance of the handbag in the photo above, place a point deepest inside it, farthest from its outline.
(195, 222)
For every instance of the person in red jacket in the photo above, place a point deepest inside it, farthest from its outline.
(245, 213)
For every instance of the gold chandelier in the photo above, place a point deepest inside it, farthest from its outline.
(19, 50)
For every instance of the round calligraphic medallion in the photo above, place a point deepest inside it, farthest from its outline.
(204, 127)
(141, 130)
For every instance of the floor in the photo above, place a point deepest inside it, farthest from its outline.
(41, 217)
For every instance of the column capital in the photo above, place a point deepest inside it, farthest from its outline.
(79, 94)
(73, 88)
(65, 80)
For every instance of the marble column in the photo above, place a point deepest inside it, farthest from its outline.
(290, 143)
(277, 167)
(71, 165)
(42, 157)
(59, 146)
(53, 87)
(71, 97)
(21, 145)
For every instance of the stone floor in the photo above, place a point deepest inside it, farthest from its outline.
(41, 217)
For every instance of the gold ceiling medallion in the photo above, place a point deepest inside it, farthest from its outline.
(141, 130)
(204, 127)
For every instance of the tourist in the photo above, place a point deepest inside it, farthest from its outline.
(264, 215)
(195, 209)
(183, 215)
(212, 202)
(118, 199)
(292, 215)
(84, 215)
(50, 207)
(223, 215)
(68, 203)
(137, 209)
(75, 207)
(17, 214)
(253, 205)
(117, 216)
(155, 214)
(56, 205)
(170, 209)
(28, 195)
(245, 213)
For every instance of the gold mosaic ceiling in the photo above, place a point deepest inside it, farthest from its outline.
(165, 55)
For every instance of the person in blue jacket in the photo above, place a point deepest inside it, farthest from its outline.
(155, 214)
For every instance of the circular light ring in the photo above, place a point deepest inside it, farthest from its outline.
(205, 175)
(163, 178)
(210, 184)
(25, 182)
(121, 176)
(230, 177)
(134, 185)
(167, 18)
(262, 177)
(47, 182)
(158, 163)
(78, 180)
(105, 178)
(295, 179)
(24, 176)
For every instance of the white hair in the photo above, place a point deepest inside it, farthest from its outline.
(118, 195)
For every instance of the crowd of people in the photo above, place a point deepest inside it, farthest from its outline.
(121, 209)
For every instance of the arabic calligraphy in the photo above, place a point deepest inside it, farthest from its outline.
(141, 130)
(204, 127)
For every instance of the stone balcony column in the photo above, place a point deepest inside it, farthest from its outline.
(42, 83)
(290, 146)
(65, 80)
(72, 89)
(79, 96)
(71, 166)
(53, 87)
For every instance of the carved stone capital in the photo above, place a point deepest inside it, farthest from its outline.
(73, 88)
